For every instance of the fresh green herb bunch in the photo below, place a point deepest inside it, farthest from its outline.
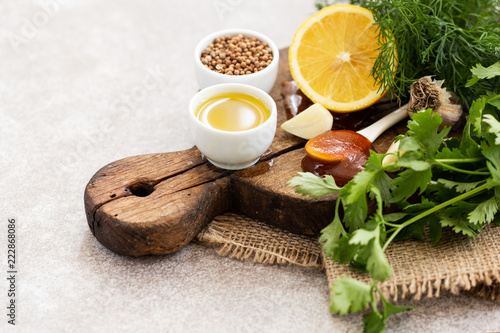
(441, 183)
(444, 38)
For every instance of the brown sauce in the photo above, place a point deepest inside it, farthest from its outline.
(342, 171)
(347, 154)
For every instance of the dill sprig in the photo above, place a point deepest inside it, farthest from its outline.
(444, 38)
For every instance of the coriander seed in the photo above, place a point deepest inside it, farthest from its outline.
(237, 55)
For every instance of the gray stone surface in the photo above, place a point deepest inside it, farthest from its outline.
(84, 83)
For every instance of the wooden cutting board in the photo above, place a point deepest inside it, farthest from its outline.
(157, 203)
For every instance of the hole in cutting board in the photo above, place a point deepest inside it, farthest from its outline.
(141, 188)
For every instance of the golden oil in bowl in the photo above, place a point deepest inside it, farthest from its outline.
(233, 112)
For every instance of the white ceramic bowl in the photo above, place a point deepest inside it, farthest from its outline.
(232, 150)
(263, 79)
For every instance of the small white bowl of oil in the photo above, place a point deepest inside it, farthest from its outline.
(232, 124)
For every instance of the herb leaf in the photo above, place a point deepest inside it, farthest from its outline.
(314, 186)
(350, 296)
(424, 127)
(481, 72)
(374, 322)
(409, 182)
(485, 211)
(332, 234)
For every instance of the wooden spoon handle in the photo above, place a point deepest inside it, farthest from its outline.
(154, 204)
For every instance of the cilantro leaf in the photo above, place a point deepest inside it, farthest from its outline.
(468, 144)
(414, 230)
(363, 236)
(473, 129)
(374, 322)
(355, 213)
(456, 218)
(458, 226)
(390, 309)
(380, 180)
(393, 217)
(416, 165)
(408, 182)
(353, 194)
(492, 152)
(417, 208)
(332, 233)
(362, 182)
(460, 187)
(476, 116)
(435, 229)
(350, 296)
(312, 185)
(494, 127)
(377, 263)
(493, 99)
(495, 103)
(354, 200)
(485, 211)
(447, 153)
(425, 127)
(481, 72)
(409, 143)
(345, 252)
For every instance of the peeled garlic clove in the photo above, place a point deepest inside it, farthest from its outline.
(393, 157)
(311, 122)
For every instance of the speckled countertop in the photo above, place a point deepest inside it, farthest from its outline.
(85, 83)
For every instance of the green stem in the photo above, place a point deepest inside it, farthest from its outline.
(374, 289)
(392, 225)
(435, 209)
(459, 160)
(392, 229)
(444, 165)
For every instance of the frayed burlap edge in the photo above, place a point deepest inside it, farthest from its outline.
(457, 264)
(240, 237)
(490, 292)
(416, 288)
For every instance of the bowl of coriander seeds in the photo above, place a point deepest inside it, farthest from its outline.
(236, 56)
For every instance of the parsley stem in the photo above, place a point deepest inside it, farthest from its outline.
(395, 226)
(459, 160)
(435, 209)
(471, 172)
(374, 288)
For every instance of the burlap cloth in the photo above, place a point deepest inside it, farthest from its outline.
(457, 263)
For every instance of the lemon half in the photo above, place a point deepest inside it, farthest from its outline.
(332, 55)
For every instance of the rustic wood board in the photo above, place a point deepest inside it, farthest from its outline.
(157, 203)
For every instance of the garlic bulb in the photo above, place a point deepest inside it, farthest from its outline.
(428, 93)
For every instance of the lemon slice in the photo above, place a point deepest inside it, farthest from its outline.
(309, 123)
(332, 55)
